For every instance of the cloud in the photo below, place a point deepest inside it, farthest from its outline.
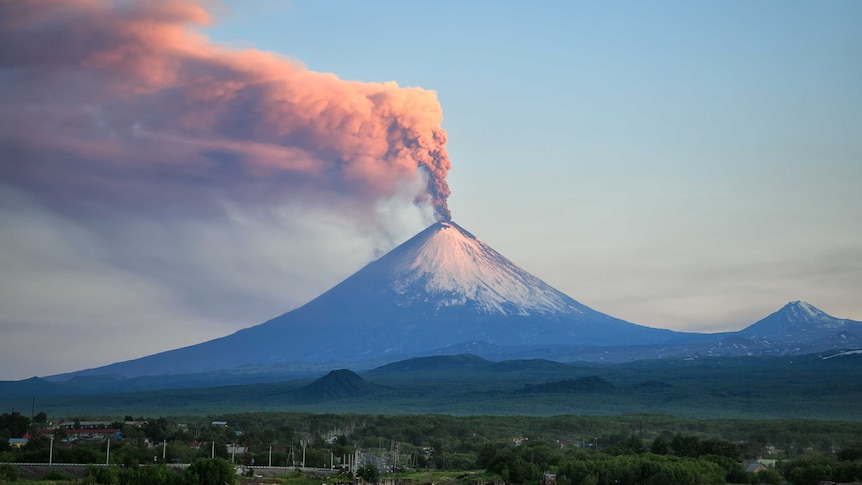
(78, 294)
(158, 190)
(127, 103)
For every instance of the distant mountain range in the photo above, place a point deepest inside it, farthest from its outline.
(810, 386)
(445, 292)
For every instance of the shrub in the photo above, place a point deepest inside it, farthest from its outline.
(8, 473)
(59, 476)
(208, 471)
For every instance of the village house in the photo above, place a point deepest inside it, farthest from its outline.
(89, 434)
(84, 425)
(19, 442)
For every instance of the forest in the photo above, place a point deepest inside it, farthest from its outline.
(800, 387)
(636, 449)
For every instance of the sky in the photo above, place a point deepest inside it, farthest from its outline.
(174, 171)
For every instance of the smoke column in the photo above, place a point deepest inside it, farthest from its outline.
(127, 103)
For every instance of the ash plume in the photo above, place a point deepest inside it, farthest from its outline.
(128, 104)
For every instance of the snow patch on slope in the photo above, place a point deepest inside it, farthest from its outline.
(459, 269)
(804, 312)
(843, 354)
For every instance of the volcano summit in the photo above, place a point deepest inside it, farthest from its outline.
(442, 289)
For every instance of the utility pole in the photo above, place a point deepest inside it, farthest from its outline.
(108, 453)
(355, 466)
(270, 455)
(397, 455)
(51, 452)
(164, 448)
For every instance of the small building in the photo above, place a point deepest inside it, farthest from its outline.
(91, 434)
(18, 442)
(548, 479)
(771, 450)
(84, 425)
(236, 449)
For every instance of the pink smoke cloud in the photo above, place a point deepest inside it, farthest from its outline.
(125, 104)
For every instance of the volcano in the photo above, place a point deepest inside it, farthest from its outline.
(443, 288)
(799, 321)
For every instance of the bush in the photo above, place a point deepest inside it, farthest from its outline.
(208, 471)
(8, 473)
(770, 477)
(59, 476)
(850, 454)
(155, 475)
(108, 475)
(369, 473)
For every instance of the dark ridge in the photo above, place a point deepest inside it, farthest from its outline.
(34, 386)
(591, 384)
(98, 381)
(338, 384)
(651, 386)
(434, 363)
(527, 365)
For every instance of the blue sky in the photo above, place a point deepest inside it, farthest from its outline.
(689, 165)
(686, 165)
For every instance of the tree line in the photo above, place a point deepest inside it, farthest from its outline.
(577, 450)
